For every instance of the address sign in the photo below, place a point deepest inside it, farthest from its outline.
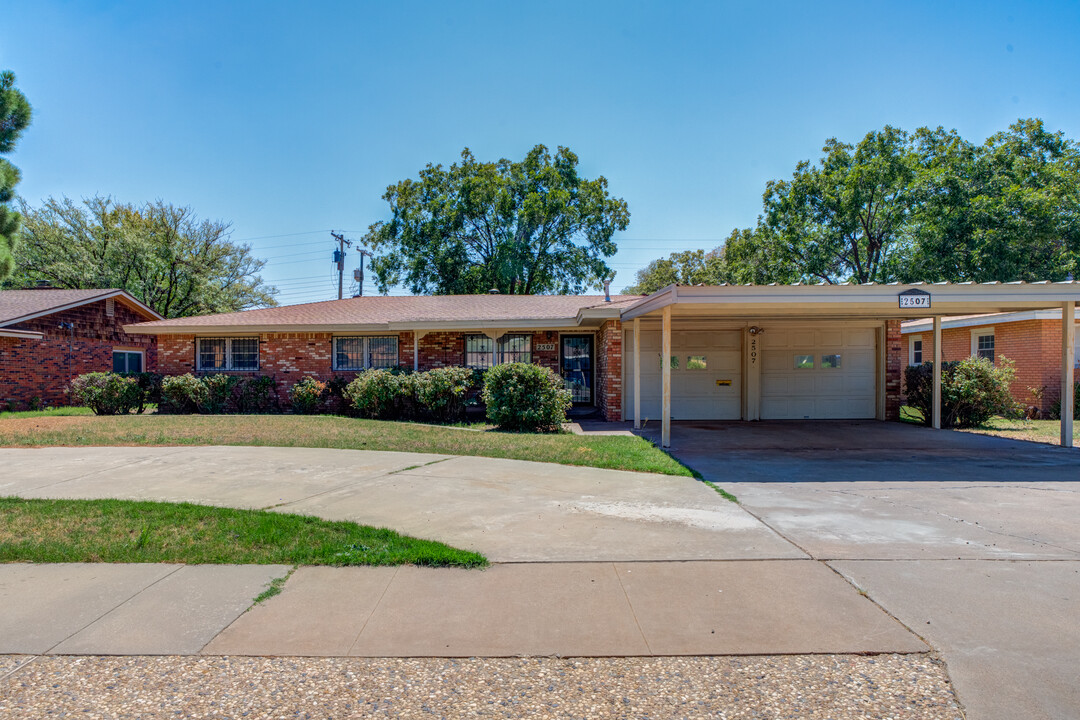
(915, 299)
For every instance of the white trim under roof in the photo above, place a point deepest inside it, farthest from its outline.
(23, 334)
(123, 294)
(869, 300)
(926, 324)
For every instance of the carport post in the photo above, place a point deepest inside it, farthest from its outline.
(936, 414)
(1068, 360)
(637, 373)
(665, 375)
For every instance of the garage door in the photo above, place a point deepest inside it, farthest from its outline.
(706, 375)
(818, 373)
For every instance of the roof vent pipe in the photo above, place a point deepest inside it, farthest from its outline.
(43, 285)
(493, 291)
(607, 291)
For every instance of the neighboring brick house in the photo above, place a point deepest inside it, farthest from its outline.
(49, 336)
(1032, 340)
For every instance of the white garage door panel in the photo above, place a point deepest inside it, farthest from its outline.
(819, 392)
(694, 393)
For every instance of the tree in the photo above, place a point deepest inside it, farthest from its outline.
(14, 118)
(845, 218)
(528, 227)
(1006, 210)
(163, 255)
(692, 267)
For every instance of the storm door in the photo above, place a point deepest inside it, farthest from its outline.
(576, 355)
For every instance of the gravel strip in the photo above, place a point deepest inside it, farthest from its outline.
(799, 686)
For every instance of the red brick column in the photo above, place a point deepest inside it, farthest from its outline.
(895, 360)
(609, 370)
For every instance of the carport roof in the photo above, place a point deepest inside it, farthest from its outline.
(866, 300)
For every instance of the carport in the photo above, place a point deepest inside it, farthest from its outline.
(805, 352)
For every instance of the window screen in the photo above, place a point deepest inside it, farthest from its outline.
(228, 353)
(349, 353)
(126, 361)
(515, 348)
(916, 352)
(382, 352)
(478, 351)
(985, 347)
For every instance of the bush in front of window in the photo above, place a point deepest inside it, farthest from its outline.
(379, 394)
(184, 393)
(440, 395)
(219, 393)
(149, 386)
(525, 397)
(106, 393)
(255, 395)
(307, 395)
(973, 390)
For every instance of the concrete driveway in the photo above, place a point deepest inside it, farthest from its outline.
(971, 541)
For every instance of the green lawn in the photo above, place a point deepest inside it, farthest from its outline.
(65, 531)
(1042, 431)
(51, 412)
(326, 431)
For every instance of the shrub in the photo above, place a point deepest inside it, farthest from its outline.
(1055, 407)
(106, 393)
(149, 386)
(184, 393)
(440, 395)
(522, 396)
(255, 394)
(306, 396)
(379, 394)
(219, 393)
(973, 390)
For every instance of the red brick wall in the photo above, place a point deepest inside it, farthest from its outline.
(1033, 345)
(895, 361)
(43, 368)
(609, 370)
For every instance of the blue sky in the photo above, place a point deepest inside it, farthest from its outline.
(290, 119)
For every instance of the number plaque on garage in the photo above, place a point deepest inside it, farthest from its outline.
(915, 299)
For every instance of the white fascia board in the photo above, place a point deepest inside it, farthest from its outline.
(22, 334)
(927, 324)
(222, 330)
(651, 303)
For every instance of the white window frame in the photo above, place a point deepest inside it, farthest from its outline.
(136, 351)
(977, 333)
(912, 339)
(504, 339)
(229, 367)
(365, 352)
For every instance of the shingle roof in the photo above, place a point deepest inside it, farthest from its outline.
(17, 305)
(383, 310)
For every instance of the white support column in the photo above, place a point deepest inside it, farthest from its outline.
(637, 373)
(417, 336)
(665, 375)
(936, 413)
(1068, 360)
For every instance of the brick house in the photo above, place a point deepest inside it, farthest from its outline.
(49, 336)
(734, 352)
(1032, 340)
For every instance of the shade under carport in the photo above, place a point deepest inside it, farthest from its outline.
(799, 303)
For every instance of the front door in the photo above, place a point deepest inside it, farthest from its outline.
(576, 353)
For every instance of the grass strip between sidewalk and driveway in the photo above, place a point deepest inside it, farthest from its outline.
(125, 531)
(1040, 431)
(328, 431)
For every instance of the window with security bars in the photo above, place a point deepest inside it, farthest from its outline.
(478, 351)
(985, 347)
(361, 353)
(515, 348)
(228, 354)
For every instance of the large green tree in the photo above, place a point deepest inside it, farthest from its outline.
(692, 267)
(529, 227)
(163, 255)
(14, 118)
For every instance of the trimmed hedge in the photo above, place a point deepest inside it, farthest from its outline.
(438, 395)
(107, 393)
(973, 390)
(307, 395)
(526, 397)
(218, 394)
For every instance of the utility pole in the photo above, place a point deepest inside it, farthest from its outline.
(358, 275)
(339, 258)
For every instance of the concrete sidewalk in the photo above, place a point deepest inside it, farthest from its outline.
(542, 609)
